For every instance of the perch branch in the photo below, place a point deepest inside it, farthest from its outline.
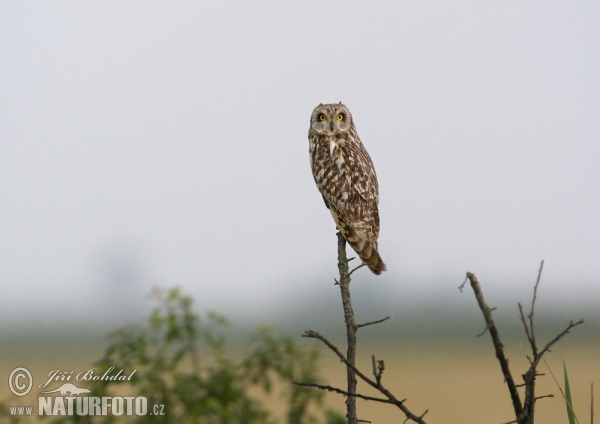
(344, 283)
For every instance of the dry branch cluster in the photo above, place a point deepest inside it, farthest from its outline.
(350, 358)
(524, 410)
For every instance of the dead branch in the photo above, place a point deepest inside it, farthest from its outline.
(498, 346)
(344, 283)
(350, 359)
(340, 391)
(378, 386)
(372, 322)
(524, 412)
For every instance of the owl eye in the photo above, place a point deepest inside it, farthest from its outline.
(322, 117)
(340, 117)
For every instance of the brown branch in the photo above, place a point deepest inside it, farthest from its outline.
(531, 374)
(372, 322)
(340, 391)
(545, 396)
(556, 339)
(526, 327)
(350, 358)
(530, 316)
(358, 267)
(378, 368)
(523, 412)
(344, 283)
(498, 346)
(375, 385)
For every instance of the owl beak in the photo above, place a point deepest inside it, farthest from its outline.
(331, 125)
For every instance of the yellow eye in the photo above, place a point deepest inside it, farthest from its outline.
(322, 117)
(340, 117)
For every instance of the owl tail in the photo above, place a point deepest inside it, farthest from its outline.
(367, 251)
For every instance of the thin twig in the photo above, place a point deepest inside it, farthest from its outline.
(372, 322)
(537, 283)
(556, 339)
(462, 286)
(483, 331)
(340, 391)
(526, 327)
(374, 367)
(358, 267)
(544, 396)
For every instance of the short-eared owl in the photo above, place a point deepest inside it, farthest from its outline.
(346, 178)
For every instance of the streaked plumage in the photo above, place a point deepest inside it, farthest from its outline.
(345, 176)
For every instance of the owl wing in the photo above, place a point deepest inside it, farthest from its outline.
(357, 194)
(356, 167)
(362, 187)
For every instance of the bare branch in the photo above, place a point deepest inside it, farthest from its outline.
(526, 327)
(462, 286)
(358, 267)
(483, 331)
(498, 346)
(554, 340)
(372, 322)
(340, 391)
(350, 359)
(374, 367)
(344, 283)
(523, 412)
(378, 368)
(530, 316)
(375, 385)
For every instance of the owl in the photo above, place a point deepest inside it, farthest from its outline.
(345, 176)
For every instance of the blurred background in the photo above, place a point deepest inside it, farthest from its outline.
(152, 143)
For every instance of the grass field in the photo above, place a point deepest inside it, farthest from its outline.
(457, 384)
(465, 386)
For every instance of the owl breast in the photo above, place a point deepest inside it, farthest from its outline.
(342, 173)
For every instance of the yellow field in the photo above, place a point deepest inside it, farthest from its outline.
(460, 386)
(457, 385)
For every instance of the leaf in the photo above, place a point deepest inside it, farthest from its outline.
(570, 413)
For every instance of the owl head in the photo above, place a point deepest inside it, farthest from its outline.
(331, 119)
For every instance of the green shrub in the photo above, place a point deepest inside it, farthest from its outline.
(182, 363)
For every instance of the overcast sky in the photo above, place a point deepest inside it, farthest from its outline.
(148, 142)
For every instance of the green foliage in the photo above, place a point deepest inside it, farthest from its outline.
(569, 401)
(182, 363)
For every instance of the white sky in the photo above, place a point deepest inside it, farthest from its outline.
(148, 142)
